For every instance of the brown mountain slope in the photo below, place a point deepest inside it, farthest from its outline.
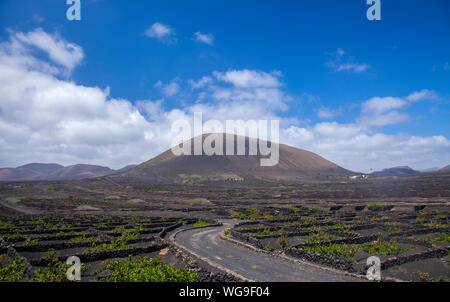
(19, 174)
(294, 165)
(80, 172)
(35, 172)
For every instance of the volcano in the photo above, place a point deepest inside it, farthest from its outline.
(294, 165)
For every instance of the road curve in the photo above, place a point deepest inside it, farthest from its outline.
(206, 242)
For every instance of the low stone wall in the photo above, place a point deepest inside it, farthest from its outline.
(40, 231)
(437, 253)
(248, 239)
(90, 257)
(354, 240)
(335, 262)
(168, 229)
(342, 234)
(71, 245)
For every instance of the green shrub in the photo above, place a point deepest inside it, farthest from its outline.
(318, 237)
(316, 208)
(264, 232)
(239, 215)
(290, 208)
(283, 241)
(374, 207)
(269, 248)
(13, 272)
(30, 241)
(201, 223)
(333, 249)
(114, 245)
(143, 269)
(383, 247)
(6, 224)
(425, 277)
(434, 224)
(443, 237)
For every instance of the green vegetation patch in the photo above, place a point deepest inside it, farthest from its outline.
(265, 232)
(201, 223)
(143, 269)
(434, 224)
(119, 244)
(6, 224)
(316, 208)
(290, 208)
(383, 247)
(14, 271)
(103, 247)
(238, 215)
(30, 241)
(269, 248)
(442, 237)
(374, 207)
(425, 277)
(319, 237)
(333, 249)
(283, 241)
(55, 271)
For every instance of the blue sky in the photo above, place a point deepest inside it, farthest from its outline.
(327, 59)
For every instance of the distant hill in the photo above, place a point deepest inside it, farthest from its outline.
(445, 168)
(37, 171)
(80, 172)
(19, 174)
(126, 168)
(43, 168)
(294, 165)
(402, 170)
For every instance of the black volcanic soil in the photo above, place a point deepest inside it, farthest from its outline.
(401, 203)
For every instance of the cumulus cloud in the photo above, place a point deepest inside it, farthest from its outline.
(61, 52)
(44, 118)
(357, 148)
(381, 111)
(201, 83)
(161, 32)
(170, 89)
(204, 38)
(249, 78)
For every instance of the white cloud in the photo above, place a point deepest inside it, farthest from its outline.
(325, 113)
(46, 119)
(204, 38)
(382, 104)
(381, 111)
(161, 32)
(358, 149)
(170, 89)
(424, 94)
(249, 78)
(66, 54)
(340, 61)
(352, 67)
(201, 83)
